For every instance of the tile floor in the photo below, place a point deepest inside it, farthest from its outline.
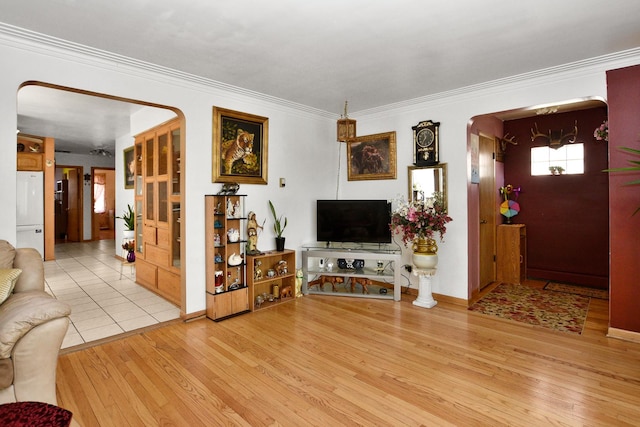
(87, 277)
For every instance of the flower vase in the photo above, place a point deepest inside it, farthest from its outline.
(131, 256)
(425, 261)
(425, 253)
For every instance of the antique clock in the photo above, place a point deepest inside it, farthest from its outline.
(425, 143)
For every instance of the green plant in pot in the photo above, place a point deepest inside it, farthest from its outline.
(129, 218)
(278, 227)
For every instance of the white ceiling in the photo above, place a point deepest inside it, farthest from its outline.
(320, 53)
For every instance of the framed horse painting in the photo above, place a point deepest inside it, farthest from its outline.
(239, 147)
(372, 157)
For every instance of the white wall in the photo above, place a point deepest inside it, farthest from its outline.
(298, 140)
(454, 111)
(302, 145)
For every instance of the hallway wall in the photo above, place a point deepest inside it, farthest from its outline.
(566, 216)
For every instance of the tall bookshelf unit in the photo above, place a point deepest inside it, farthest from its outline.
(225, 228)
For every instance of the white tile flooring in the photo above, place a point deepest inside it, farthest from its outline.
(87, 277)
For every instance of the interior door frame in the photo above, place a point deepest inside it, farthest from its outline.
(80, 192)
(96, 169)
(486, 211)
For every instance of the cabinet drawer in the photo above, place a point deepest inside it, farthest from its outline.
(163, 237)
(146, 274)
(149, 235)
(157, 255)
(169, 285)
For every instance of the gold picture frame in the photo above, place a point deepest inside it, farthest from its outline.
(240, 147)
(129, 168)
(372, 157)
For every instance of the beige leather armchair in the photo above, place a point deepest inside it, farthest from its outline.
(32, 327)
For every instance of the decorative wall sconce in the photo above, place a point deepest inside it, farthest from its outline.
(555, 139)
(87, 179)
(346, 127)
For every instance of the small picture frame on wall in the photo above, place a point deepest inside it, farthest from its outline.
(129, 168)
(372, 157)
(240, 142)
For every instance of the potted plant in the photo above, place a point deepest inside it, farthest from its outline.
(129, 218)
(278, 227)
(556, 170)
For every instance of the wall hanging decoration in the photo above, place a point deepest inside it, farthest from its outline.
(555, 138)
(509, 207)
(129, 167)
(239, 147)
(426, 139)
(372, 157)
(601, 133)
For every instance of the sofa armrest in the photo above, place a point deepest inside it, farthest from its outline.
(30, 262)
(23, 312)
(35, 360)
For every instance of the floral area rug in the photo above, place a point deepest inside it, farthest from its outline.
(577, 290)
(559, 311)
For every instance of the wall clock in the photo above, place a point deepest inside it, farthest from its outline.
(425, 143)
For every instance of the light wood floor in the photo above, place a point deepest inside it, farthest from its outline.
(331, 361)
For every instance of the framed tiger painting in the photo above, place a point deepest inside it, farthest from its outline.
(240, 143)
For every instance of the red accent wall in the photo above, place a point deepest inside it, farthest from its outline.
(566, 216)
(623, 91)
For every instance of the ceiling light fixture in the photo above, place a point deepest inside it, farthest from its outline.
(101, 152)
(346, 127)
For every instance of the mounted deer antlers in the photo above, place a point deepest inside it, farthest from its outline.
(507, 140)
(555, 139)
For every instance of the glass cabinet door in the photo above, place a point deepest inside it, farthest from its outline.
(175, 156)
(163, 202)
(138, 182)
(150, 157)
(139, 242)
(149, 205)
(175, 241)
(163, 154)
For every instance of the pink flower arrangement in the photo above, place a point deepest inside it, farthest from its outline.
(420, 219)
(602, 132)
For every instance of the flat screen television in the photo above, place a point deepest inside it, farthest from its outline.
(358, 221)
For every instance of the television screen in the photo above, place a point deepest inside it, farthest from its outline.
(359, 221)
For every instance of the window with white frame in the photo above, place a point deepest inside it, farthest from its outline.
(566, 160)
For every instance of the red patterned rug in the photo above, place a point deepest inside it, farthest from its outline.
(578, 290)
(559, 311)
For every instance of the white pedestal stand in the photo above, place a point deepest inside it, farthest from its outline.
(425, 299)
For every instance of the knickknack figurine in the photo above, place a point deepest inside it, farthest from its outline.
(252, 234)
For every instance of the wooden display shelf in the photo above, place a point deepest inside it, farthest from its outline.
(265, 285)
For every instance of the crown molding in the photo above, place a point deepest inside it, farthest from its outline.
(560, 72)
(28, 39)
(32, 40)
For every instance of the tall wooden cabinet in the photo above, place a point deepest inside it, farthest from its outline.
(511, 256)
(225, 229)
(157, 207)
